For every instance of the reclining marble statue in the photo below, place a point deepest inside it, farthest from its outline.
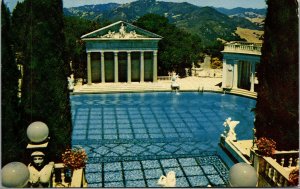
(167, 181)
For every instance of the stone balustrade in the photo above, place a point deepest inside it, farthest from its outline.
(163, 78)
(274, 171)
(276, 174)
(60, 178)
(243, 47)
(78, 179)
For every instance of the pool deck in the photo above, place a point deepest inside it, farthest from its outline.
(186, 84)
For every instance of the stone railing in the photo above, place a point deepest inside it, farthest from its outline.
(61, 177)
(78, 179)
(274, 172)
(243, 47)
(162, 78)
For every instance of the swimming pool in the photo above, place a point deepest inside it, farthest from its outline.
(175, 131)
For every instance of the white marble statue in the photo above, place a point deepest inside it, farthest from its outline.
(110, 34)
(167, 181)
(40, 173)
(71, 82)
(174, 84)
(229, 131)
(187, 71)
(122, 31)
(174, 76)
(133, 34)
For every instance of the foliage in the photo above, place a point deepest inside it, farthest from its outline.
(277, 105)
(45, 94)
(216, 63)
(214, 49)
(75, 48)
(19, 26)
(266, 146)
(9, 91)
(75, 158)
(294, 177)
(177, 50)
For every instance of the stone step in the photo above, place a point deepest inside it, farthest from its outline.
(122, 87)
(243, 93)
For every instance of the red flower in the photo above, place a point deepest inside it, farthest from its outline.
(294, 177)
(266, 146)
(75, 158)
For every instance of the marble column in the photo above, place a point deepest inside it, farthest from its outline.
(235, 74)
(89, 69)
(252, 76)
(142, 62)
(154, 66)
(116, 61)
(128, 66)
(241, 69)
(224, 75)
(102, 67)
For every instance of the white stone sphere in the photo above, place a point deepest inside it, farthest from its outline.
(15, 175)
(37, 132)
(242, 175)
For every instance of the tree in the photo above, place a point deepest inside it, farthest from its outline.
(9, 88)
(216, 63)
(277, 102)
(45, 94)
(215, 48)
(20, 24)
(177, 50)
(74, 28)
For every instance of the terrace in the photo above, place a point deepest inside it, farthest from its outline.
(243, 47)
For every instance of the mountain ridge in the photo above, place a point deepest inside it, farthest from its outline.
(207, 22)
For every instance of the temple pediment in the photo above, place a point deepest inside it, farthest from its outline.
(119, 31)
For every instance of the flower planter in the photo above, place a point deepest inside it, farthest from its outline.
(68, 175)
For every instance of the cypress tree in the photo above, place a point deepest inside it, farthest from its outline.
(9, 89)
(278, 101)
(45, 95)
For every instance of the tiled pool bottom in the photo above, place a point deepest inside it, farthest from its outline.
(116, 129)
(190, 172)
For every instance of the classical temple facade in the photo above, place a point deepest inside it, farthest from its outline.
(239, 65)
(121, 52)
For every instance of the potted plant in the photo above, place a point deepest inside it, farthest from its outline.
(73, 159)
(265, 146)
(294, 177)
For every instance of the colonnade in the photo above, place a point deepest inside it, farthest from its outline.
(116, 63)
(237, 73)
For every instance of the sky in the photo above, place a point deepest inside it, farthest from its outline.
(215, 3)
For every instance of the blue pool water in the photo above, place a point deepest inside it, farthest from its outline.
(133, 138)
